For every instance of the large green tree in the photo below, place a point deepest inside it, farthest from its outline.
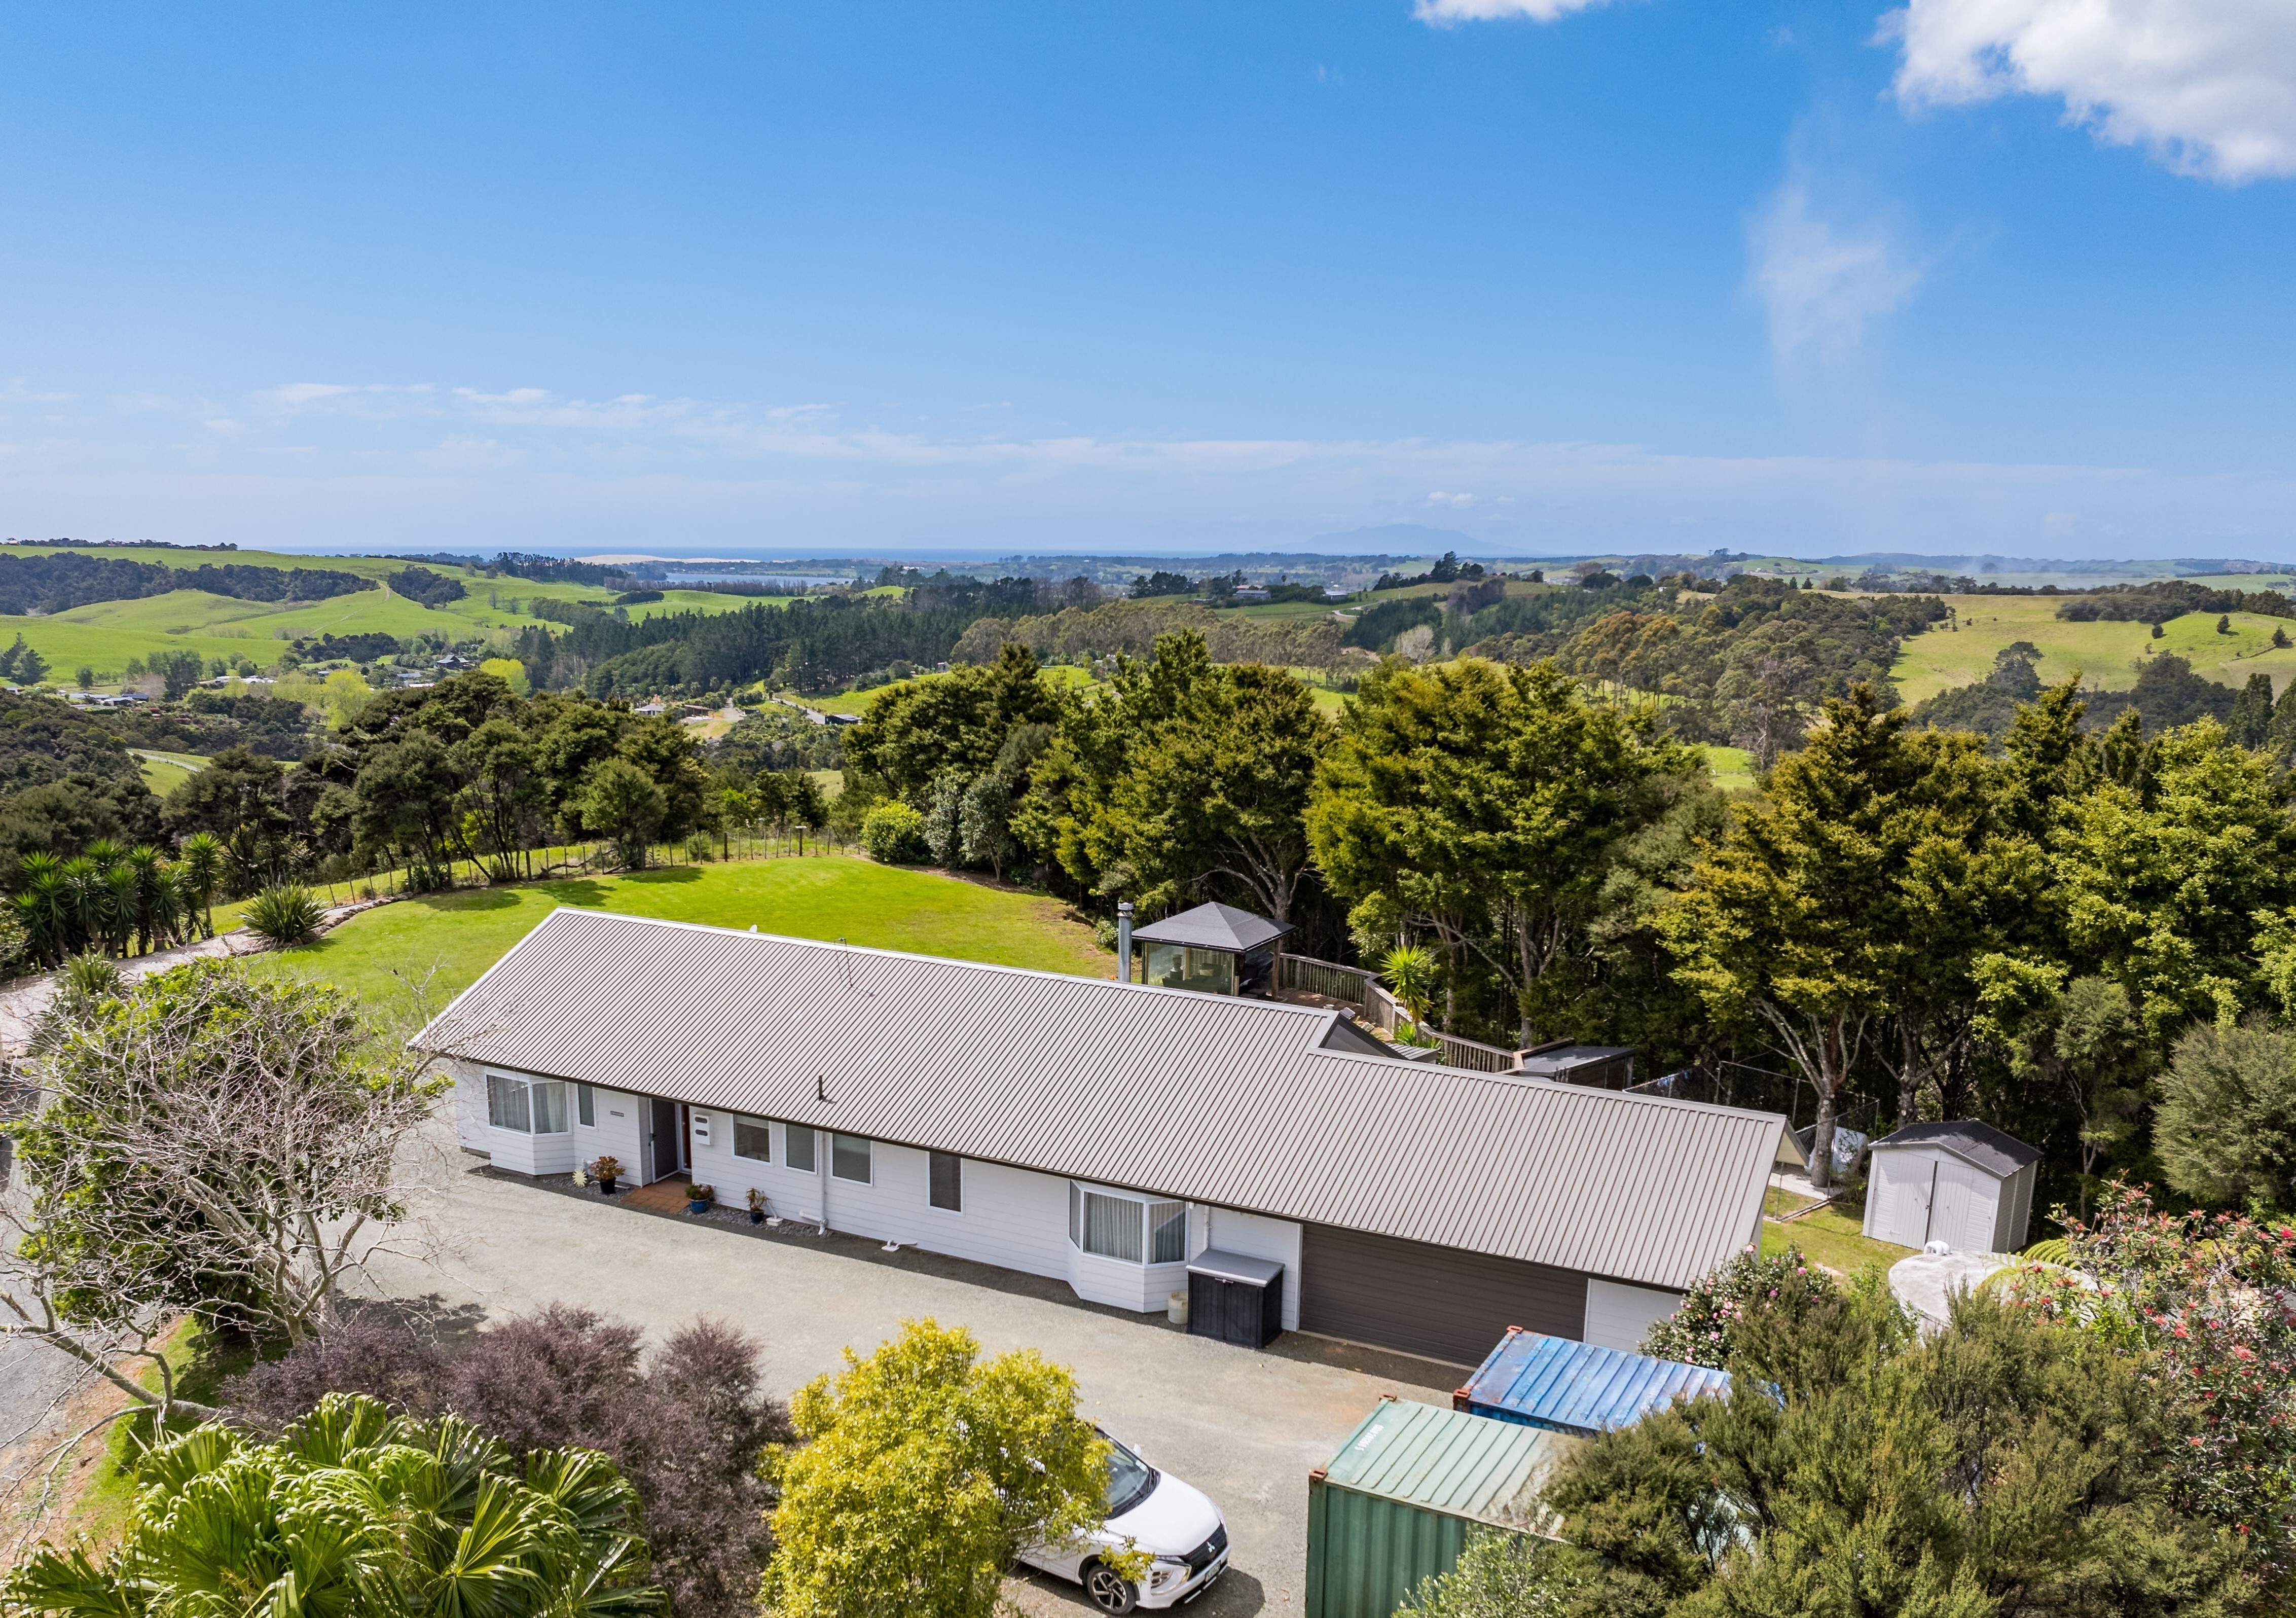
(1486, 804)
(950, 726)
(926, 1471)
(1798, 923)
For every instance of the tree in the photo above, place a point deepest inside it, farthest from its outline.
(404, 800)
(351, 1512)
(1220, 791)
(1715, 1311)
(2081, 1044)
(1798, 920)
(925, 1470)
(953, 725)
(2159, 870)
(2251, 724)
(2226, 1129)
(505, 794)
(215, 1143)
(2007, 1464)
(1498, 1575)
(202, 863)
(2200, 1303)
(685, 1425)
(621, 802)
(236, 801)
(1485, 804)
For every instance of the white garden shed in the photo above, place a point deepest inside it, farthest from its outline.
(1962, 1183)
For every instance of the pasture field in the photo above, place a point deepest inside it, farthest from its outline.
(164, 772)
(2104, 654)
(1732, 768)
(106, 634)
(444, 941)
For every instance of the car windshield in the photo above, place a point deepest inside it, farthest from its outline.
(1130, 1479)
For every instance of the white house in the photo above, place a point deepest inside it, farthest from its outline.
(1962, 1183)
(1102, 1133)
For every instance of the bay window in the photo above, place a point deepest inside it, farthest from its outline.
(526, 1106)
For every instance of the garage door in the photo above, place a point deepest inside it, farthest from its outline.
(1425, 1299)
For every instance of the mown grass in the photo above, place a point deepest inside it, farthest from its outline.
(1732, 768)
(441, 942)
(2105, 654)
(1833, 1238)
(163, 772)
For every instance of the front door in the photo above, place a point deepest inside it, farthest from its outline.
(665, 1141)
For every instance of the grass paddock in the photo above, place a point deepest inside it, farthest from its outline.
(442, 942)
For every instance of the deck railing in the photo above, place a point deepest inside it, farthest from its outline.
(1360, 986)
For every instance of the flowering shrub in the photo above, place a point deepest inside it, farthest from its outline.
(1699, 1332)
(2212, 1298)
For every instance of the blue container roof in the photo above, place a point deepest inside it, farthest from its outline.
(1578, 1387)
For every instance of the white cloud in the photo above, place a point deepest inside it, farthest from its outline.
(2208, 85)
(1456, 502)
(1822, 287)
(1444, 13)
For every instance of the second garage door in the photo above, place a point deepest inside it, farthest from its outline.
(1420, 1299)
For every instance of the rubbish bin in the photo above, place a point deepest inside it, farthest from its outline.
(1235, 1299)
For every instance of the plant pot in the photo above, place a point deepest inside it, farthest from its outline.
(697, 1207)
(757, 1216)
(606, 1188)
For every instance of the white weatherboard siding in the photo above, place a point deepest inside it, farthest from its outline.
(618, 1133)
(1618, 1317)
(1254, 1236)
(511, 1149)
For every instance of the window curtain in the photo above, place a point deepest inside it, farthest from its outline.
(1111, 1226)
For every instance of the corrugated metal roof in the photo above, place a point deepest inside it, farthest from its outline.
(1209, 1097)
(1212, 927)
(1578, 1387)
(1980, 1143)
(1448, 1461)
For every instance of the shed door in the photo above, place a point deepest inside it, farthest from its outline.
(1899, 1197)
(1422, 1299)
(1962, 1208)
(1620, 1316)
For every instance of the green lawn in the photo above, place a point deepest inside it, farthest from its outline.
(164, 772)
(1731, 767)
(1833, 1238)
(451, 938)
(2104, 653)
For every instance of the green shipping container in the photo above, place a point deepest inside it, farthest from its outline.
(1397, 1503)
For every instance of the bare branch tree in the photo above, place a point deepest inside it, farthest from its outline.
(208, 1143)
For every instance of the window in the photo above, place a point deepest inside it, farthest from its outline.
(1179, 966)
(798, 1145)
(585, 1107)
(1168, 1232)
(946, 1173)
(526, 1106)
(506, 1107)
(1075, 1229)
(753, 1140)
(848, 1157)
(1111, 1226)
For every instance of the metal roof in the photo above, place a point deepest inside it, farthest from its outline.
(1579, 1387)
(1980, 1143)
(1212, 927)
(1448, 1461)
(1212, 1099)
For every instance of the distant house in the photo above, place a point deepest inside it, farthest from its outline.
(1101, 1133)
(655, 706)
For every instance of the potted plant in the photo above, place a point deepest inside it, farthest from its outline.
(697, 1198)
(757, 1206)
(606, 1171)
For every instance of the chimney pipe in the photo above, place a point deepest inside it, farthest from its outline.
(1124, 940)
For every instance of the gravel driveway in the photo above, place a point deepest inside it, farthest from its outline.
(1245, 1427)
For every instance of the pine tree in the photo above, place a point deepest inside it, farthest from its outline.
(2252, 713)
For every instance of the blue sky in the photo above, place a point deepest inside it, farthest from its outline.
(1966, 275)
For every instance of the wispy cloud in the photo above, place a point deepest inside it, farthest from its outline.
(1445, 14)
(1823, 286)
(2209, 86)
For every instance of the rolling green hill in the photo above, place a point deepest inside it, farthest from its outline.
(2105, 654)
(104, 634)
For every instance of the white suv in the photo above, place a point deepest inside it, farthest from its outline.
(1160, 1515)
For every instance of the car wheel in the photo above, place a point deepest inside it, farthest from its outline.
(1110, 1591)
